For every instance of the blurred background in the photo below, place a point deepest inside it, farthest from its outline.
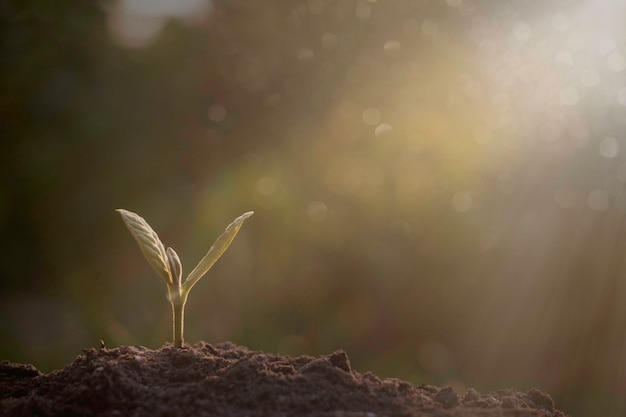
(439, 186)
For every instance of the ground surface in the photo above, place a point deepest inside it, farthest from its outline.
(227, 380)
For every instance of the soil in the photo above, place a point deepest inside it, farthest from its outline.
(228, 380)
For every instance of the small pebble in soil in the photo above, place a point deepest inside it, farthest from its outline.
(340, 360)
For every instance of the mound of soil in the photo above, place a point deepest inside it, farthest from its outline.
(227, 380)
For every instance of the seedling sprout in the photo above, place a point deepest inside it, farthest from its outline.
(167, 264)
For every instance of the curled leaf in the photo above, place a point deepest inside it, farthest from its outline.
(218, 248)
(175, 266)
(148, 242)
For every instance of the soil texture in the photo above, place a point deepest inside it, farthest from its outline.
(226, 380)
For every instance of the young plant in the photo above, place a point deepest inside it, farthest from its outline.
(167, 264)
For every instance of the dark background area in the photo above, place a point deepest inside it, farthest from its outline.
(438, 187)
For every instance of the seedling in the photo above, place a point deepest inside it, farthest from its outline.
(167, 264)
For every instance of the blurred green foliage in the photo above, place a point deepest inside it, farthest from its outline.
(423, 199)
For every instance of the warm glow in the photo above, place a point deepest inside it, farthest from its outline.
(439, 186)
(135, 23)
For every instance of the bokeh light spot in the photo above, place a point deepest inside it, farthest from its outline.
(305, 54)
(317, 211)
(266, 186)
(598, 200)
(522, 32)
(616, 62)
(217, 113)
(609, 147)
(461, 201)
(392, 48)
(363, 11)
(135, 23)
(165, 8)
(471, 87)
(371, 116)
(383, 129)
(590, 77)
(564, 58)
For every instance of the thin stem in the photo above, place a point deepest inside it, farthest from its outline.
(178, 312)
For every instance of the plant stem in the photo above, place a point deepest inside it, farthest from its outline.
(178, 312)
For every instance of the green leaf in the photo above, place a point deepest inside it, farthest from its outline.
(148, 242)
(218, 248)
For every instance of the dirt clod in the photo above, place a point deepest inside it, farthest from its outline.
(231, 381)
(447, 397)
